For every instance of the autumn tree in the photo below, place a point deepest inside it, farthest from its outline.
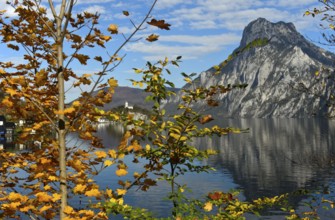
(35, 90)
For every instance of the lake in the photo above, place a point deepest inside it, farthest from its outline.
(275, 156)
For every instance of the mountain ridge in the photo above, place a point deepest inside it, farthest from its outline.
(270, 72)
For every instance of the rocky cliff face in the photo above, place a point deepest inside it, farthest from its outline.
(275, 73)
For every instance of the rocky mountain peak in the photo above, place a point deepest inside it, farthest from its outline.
(274, 73)
(279, 32)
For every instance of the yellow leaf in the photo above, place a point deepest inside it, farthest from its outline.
(11, 91)
(101, 154)
(121, 192)
(93, 192)
(69, 110)
(86, 75)
(47, 187)
(112, 82)
(44, 208)
(121, 172)
(41, 77)
(68, 210)
(45, 160)
(109, 192)
(11, 206)
(2, 71)
(208, 207)
(17, 197)
(6, 102)
(108, 163)
(112, 154)
(138, 70)
(79, 188)
(53, 178)
(56, 197)
(147, 147)
(106, 38)
(76, 104)
(175, 136)
(188, 80)
(38, 175)
(317, 73)
(87, 213)
(43, 197)
(27, 208)
(113, 28)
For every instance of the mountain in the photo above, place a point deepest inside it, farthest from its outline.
(134, 97)
(275, 73)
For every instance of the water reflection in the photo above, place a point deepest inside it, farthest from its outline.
(277, 155)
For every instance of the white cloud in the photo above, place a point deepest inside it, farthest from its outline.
(188, 46)
(9, 9)
(163, 4)
(95, 9)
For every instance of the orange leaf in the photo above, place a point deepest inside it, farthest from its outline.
(113, 28)
(152, 37)
(206, 119)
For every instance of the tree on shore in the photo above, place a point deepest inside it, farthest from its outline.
(35, 89)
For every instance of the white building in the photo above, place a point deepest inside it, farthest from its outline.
(127, 106)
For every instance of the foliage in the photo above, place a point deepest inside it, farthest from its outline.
(50, 46)
(60, 169)
(325, 75)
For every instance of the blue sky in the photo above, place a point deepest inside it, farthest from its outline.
(203, 32)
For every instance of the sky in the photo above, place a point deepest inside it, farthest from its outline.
(203, 32)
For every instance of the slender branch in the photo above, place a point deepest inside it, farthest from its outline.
(114, 55)
(53, 10)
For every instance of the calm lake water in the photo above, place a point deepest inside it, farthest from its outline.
(276, 156)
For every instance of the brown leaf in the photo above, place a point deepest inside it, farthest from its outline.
(152, 38)
(126, 13)
(160, 24)
(82, 58)
(212, 102)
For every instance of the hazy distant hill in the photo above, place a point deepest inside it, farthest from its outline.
(133, 96)
(270, 71)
